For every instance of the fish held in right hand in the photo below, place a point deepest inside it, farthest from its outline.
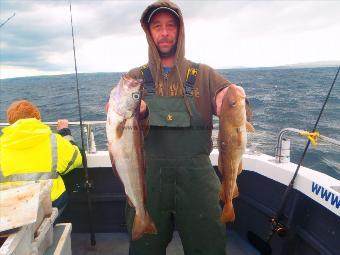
(125, 146)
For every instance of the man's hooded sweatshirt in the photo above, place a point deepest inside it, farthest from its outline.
(208, 82)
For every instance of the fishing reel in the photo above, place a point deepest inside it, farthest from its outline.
(88, 186)
(278, 228)
(263, 245)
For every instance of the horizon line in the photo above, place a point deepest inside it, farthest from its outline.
(316, 64)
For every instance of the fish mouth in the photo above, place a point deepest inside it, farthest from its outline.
(238, 90)
(241, 93)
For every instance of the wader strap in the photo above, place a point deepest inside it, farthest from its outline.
(40, 175)
(149, 84)
(191, 78)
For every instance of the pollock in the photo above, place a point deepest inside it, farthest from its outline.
(125, 146)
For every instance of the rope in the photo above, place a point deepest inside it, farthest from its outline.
(312, 136)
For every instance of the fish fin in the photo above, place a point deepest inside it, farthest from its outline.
(150, 227)
(240, 168)
(222, 192)
(112, 160)
(249, 127)
(129, 201)
(240, 139)
(114, 169)
(139, 142)
(228, 214)
(142, 225)
(120, 129)
(219, 165)
(236, 192)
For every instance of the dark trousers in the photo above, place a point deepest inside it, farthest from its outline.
(61, 203)
(184, 196)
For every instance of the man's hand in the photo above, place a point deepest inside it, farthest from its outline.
(63, 123)
(220, 96)
(219, 99)
(142, 109)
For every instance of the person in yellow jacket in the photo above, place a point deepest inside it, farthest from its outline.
(29, 151)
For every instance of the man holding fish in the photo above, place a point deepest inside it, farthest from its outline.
(175, 185)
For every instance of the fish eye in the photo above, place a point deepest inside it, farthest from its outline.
(135, 95)
(232, 104)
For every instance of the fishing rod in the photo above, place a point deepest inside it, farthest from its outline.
(88, 185)
(7, 20)
(277, 226)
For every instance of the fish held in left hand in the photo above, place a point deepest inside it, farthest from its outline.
(125, 146)
(232, 139)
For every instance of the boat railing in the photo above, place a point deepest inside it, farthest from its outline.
(282, 151)
(88, 128)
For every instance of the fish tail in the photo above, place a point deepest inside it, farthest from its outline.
(228, 214)
(236, 192)
(142, 225)
(150, 227)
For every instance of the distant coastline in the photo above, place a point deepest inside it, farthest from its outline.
(316, 64)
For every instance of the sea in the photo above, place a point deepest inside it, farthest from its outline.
(280, 98)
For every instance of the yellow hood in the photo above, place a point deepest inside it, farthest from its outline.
(24, 133)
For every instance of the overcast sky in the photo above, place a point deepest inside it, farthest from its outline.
(108, 36)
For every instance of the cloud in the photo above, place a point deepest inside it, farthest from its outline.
(36, 30)
(264, 33)
(108, 35)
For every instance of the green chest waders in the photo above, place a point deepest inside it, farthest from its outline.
(182, 186)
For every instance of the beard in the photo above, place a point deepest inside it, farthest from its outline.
(169, 53)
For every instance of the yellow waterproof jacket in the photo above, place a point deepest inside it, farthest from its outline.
(29, 151)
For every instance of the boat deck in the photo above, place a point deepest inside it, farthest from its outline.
(118, 244)
(313, 228)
